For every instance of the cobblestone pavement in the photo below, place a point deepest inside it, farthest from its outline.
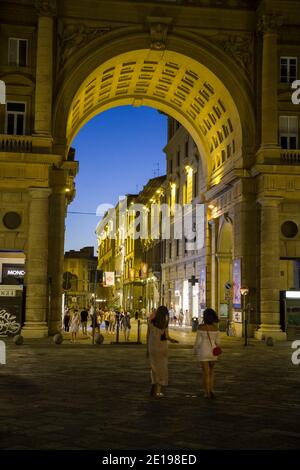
(79, 396)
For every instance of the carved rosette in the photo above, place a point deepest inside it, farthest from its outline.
(270, 23)
(239, 48)
(46, 7)
(158, 32)
(74, 36)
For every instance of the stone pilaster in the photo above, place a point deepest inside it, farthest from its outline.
(224, 274)
(44, 71)
(56, 260)
(245, 235)
(268, 26)
(213, 223)
(37, 299)
(270, 270)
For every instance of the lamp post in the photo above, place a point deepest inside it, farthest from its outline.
(244, 290)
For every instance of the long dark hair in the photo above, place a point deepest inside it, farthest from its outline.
(210, 316)
(161, 319)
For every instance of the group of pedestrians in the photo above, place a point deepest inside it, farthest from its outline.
(111, 318)
(206, 349)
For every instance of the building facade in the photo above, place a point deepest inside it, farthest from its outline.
(222, 69)
(133, 257)
(183, 262)
(79, 279)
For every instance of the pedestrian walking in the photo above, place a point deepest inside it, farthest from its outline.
(126, 325)
(83, 319)
(67, 318)
(157, 350)
(74, 327)
(206, 347)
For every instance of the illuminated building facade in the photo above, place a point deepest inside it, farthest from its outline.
(79, 278)
(221, 69)
(181, 261)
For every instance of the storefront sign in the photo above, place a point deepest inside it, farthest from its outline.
(7, 292)
(13, 273)
(236, 275)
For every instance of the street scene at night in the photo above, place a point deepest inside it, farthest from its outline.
(149, 228)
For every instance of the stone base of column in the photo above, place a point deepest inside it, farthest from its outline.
(54, 327)
(274, 331)
(35, 330)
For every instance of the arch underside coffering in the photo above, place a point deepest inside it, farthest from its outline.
(174, 84)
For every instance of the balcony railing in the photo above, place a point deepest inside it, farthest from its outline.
(290, 156)
(15, 143)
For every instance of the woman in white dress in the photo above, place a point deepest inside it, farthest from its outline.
(75, 322)
(157, 350)
(208, 338)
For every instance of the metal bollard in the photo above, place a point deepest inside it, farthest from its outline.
(138, 331)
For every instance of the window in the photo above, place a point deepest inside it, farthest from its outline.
(171, 165)
(177, 247)
(186, 147)
(288, 132)
(17, 52)
(288, 69)
(178, 157)
(15, 118)
(170, 249)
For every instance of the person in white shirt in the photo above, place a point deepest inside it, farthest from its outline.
(206, 348)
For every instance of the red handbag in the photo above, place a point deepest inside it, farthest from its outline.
(216, 350)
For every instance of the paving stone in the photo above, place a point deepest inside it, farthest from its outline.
(79, 397)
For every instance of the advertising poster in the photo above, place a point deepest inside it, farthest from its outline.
(202, 287)
(236, 274)
(108, 279)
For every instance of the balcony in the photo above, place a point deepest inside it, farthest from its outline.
(16, 143)
(290, 156)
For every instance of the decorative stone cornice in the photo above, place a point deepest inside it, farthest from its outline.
(239, 48)
(158, 32)
(269, 23)
(46, 7)
(77, 35)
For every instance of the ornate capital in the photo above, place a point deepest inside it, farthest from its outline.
(46, 7)
(158, 32)
(75, 36)
(269, 23)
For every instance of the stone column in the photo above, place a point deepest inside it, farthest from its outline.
(56, 260)
(268, 26)
(270, 270)
(44, 69)
(37, 299)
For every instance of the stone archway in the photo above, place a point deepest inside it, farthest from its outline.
(193, 81)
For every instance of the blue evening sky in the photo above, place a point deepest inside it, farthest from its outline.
(118, 152)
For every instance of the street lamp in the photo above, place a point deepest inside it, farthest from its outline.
(244, 290)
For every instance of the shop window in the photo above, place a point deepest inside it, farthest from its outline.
(15, 118)
(288, 69)
(17, 52)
